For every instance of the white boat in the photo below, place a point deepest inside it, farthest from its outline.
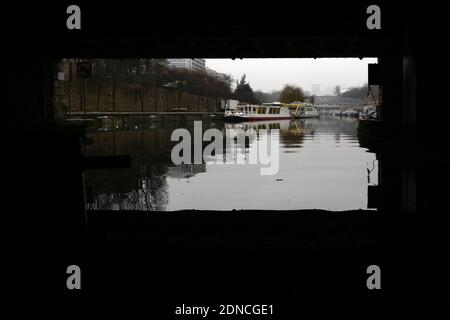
(304, 110)
(266, 111)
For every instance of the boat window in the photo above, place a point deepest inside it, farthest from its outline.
(274, 126)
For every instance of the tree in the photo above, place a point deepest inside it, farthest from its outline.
(157, 73)
(356, 92)
(244, 92)
(291, 93)
(264, 97)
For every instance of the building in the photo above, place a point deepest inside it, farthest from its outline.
(189, 64)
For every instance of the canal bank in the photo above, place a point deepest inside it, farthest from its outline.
(104, 96)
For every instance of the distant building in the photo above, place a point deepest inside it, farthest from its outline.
(337, 90)
(189, 64)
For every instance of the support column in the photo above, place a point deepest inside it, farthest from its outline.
(392, 80)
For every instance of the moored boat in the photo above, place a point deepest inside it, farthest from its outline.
(303, 110)
(266, 111)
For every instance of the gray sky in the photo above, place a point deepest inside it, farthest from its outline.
(272, 74)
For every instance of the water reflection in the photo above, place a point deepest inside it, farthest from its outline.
(321, 166)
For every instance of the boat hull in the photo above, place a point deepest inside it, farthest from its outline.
(308, 116)
(233, 119)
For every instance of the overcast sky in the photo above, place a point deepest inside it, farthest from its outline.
(272, 74)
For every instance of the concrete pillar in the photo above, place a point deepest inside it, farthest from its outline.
(409, 91)
(392, 80)
(28, 91)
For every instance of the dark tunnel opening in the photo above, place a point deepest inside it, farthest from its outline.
(259, 254)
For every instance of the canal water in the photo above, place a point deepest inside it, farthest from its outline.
(320, 166)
